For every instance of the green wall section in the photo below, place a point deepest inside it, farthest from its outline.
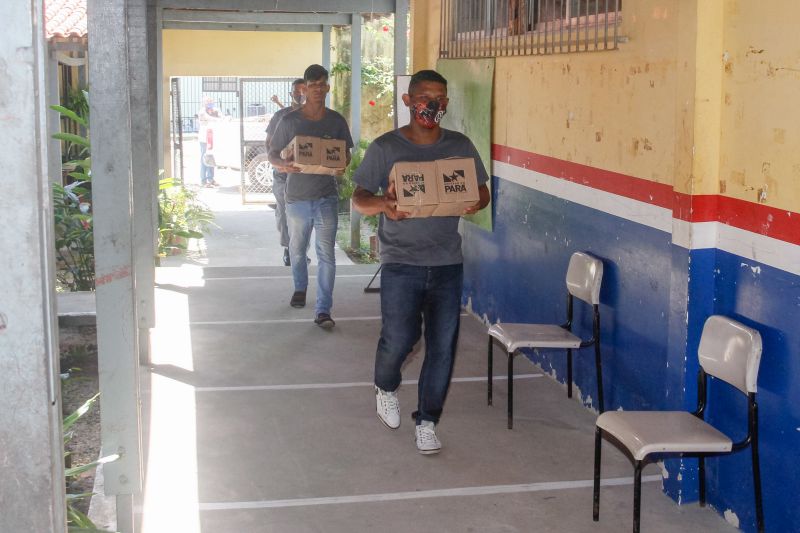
(469, 86)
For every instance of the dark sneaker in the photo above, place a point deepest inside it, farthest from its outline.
(287, 261)
(298, 299)
(324, 320)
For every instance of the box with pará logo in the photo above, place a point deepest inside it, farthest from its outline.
(317, 156)
(441, 188)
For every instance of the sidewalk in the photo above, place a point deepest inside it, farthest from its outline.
(258, 421)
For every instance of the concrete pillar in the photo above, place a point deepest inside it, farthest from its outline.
(53, 119)
(326, 54)
(400, 37)
(110, 80)
(31, 448)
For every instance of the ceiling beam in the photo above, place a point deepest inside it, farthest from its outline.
(295, 6)
(233, 17)
(316, 28)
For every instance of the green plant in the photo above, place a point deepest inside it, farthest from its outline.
(181, 216)
(77, 521)
(346, 185)
(72, 208)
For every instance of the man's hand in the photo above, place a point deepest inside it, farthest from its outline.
(474, 208)
(390, 204)
(287, 166)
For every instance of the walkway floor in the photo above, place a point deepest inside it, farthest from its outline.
(259, 421)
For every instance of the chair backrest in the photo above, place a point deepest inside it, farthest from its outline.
(584, 275)
(730, 351)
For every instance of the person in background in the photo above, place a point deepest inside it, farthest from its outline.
(311, 199)
(205, 136)
(421, 261)
(279, 178)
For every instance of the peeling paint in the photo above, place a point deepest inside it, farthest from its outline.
(664, 471)
(4, 324)
(731, 518)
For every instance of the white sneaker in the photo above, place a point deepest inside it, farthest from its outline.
(388, 408)
(427, 441)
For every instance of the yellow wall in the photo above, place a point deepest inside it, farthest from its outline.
(685, 101)
(233, 53)
(760, 113)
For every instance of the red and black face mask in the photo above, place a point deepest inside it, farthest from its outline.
(428, 115)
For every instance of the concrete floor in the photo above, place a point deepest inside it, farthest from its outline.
(259, 421)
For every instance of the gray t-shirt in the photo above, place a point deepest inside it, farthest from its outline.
(332, 126)
(433, 241)
(273, 124)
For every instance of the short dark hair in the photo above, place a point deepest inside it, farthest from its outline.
(315, 73)
(298, 81)
(425, 75)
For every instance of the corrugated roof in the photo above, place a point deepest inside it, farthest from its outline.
(65, 18)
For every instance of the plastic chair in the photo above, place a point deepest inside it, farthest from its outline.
(728, 351)
(584, 276)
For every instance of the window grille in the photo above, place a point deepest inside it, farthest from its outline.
(493, 28)
(219, 84)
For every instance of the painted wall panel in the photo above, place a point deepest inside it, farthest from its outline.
(523, 280)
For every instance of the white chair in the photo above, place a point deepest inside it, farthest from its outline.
(584, 276)
(728, 351)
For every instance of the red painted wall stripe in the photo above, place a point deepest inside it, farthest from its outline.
(757, 218)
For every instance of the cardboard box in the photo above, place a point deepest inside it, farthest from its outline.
(441, 188)
(317, 156)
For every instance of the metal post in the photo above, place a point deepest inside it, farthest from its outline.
(355, 114)
(159, 83)
(117, 326)
(144, 173)
(32, 465)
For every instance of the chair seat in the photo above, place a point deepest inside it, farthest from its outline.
(646, 432)
(515, 336)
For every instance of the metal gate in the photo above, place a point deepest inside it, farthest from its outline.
(257, 107)
(177, 128)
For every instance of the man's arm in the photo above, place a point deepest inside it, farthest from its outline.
(483, 201)
(368, 203)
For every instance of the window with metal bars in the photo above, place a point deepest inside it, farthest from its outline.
(220, 84)
(492, 28)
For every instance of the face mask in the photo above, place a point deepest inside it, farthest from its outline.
(428, 115)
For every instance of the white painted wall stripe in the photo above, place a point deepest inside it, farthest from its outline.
(692, 236)
(307, 386)
(649, 215)
(424, 494)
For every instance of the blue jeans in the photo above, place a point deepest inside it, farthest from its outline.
(320, 215)
(279, 190)
(206, 172)
(411, 295)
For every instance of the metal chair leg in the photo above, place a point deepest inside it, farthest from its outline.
(598, 445)
(637, 495)
(569, 372)
(701, 478)
(510, 390)
(757, 471)
(489, 373)
(598, 361)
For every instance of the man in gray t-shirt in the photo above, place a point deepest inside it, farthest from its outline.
(421, 262)
(311, 199)
(278, 177)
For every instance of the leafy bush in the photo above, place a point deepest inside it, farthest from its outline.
(72, 208)
(181, 216)
(77, 521)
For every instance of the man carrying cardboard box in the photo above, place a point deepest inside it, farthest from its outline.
(311, 199)
(421, 274)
